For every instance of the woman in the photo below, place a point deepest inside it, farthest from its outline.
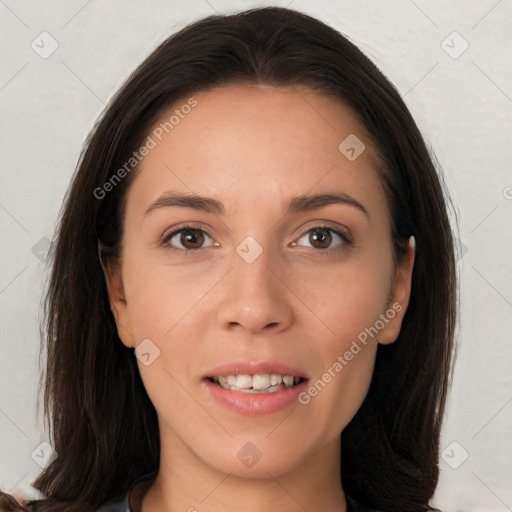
(252, 298)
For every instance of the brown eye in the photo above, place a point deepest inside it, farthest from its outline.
(192, 238)
(320, 238)
(323, 237)
(187, 238)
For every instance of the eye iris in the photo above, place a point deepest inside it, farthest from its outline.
(324, 238)
(192, 236)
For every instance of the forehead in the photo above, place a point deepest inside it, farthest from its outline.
(250, 143)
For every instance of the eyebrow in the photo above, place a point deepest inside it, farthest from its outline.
(297, 204)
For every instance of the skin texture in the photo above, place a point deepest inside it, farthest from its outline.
(300, 301)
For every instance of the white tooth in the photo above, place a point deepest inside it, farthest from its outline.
(260, 381)
(222, 380)
(244, 381)
(275, 379)
(232, 380)
(288, 380)
(297, 380)
(225, 385)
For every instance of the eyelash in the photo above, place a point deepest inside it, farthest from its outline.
(346, 239)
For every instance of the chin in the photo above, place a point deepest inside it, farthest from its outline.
(257, 458)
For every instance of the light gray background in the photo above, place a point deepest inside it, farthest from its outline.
(462, 105)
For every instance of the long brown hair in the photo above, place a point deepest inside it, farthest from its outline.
(102, 423)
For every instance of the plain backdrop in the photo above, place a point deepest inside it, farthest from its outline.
(61, 63)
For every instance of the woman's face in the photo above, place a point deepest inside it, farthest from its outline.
(256, 249)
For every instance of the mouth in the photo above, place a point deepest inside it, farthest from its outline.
(257, 383)
(254, 387)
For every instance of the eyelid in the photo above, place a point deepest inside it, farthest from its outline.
(343, 243)
(169, 234)
(341, 230)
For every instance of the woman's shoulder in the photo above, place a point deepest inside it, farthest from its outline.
(9, 503)
(121, 505)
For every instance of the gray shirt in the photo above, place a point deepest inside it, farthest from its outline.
(122, 505)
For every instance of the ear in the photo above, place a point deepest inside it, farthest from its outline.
(117, 300)
(399, 297)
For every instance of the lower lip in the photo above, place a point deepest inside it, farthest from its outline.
(255, 404)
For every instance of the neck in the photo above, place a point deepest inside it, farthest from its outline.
(186, 483)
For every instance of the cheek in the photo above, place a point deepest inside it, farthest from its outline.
(338, 392)
(347, 301)
(159, 296)
(347, 298)
(168, 306)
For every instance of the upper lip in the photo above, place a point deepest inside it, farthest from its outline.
(255, 368)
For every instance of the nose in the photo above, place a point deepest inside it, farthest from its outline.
(255, 297)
